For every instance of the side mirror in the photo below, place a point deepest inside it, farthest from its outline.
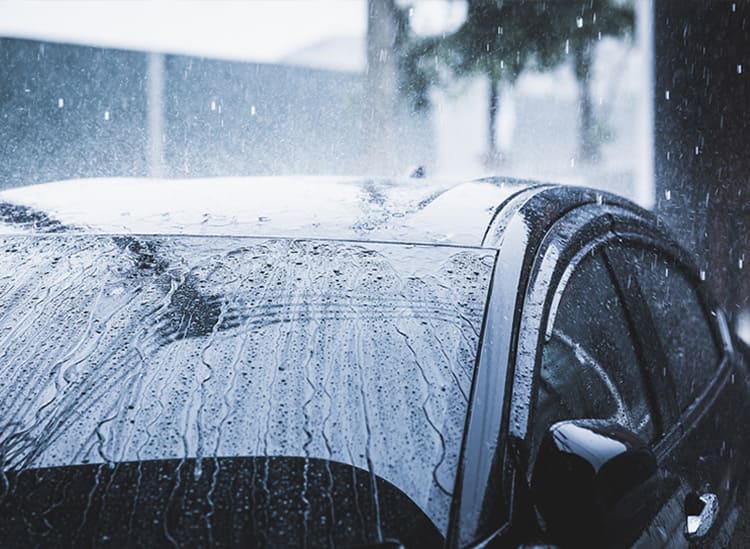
(594, 484)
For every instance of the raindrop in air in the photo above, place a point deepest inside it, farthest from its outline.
(106, 115)
(567, 46)
(252, 110)
(741, 262)
(739, 69)
(213, 105)
(60, 103)
(703, 274)
(666, 95)
(668, 194)
(572, 162)
(579, 22)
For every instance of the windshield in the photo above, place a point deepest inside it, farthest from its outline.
(177, 347)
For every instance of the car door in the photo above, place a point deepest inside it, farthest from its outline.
(603, 357)
(591, 365)
(684, 334)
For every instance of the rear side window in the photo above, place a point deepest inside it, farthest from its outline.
(682, 325)
(589, 367)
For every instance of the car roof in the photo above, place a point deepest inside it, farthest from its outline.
(420, 211)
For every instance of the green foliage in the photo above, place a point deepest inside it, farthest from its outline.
(500, 39)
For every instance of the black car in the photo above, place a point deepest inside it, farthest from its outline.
(319, 363)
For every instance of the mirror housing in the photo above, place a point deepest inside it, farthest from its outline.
(594, 484)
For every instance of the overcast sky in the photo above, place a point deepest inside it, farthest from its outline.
(257, 30)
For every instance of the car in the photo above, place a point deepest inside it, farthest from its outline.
(346, 362)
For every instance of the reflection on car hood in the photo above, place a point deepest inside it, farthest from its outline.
(401, 211)
(122, 348)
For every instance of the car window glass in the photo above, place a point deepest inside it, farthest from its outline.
(681, 323)
(157, 348)
(572, 385)
(589, 368)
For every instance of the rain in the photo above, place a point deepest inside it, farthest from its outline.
(278, 232)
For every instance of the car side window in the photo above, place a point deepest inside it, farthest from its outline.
(682, 325)
(589, 367)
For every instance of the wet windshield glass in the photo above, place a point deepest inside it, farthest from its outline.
(199, 347)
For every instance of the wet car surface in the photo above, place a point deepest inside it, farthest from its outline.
(341, 362)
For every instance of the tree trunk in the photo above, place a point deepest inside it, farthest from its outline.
(588, 140)
(382, 88)
(493, 154)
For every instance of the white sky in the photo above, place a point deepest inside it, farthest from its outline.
(257, 30)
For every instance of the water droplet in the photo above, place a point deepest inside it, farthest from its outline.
(739, 69)
(60, 103)
(741, 262)
(599, 199)
(213, 105)
(567, 46)
(703, 274)
(697, 150)
(106, 115)
(668, 194)
(252, 110)
(572, 162)
(579, 22)
(666, 95)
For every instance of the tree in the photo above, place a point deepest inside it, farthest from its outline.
(382, 95)
(501, 39)
(579, 26)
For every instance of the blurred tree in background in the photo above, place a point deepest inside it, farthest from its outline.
(578, 26)
(500, 39)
